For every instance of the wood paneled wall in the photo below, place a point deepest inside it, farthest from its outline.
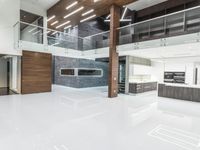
(36, 72)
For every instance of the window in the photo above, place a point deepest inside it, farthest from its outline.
(90, 72)
(82, 72)
(67, 72)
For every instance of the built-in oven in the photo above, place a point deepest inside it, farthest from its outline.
(179, 77)
(174, 77)
(168, 77)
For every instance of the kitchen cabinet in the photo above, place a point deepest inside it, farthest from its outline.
(142, 87)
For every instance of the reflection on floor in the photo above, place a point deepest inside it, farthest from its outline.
(6, 91)
(85, 119)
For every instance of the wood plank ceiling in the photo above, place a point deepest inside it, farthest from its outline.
(101, 7)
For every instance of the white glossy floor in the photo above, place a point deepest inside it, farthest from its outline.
(69, 119)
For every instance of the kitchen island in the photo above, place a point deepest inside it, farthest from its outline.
(179, 91)
(142, 87)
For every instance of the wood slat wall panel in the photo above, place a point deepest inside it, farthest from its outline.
(36, 72)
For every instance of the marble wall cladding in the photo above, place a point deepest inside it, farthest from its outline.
(77, 81)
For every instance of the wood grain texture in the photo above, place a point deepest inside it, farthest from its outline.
(176, 92)
(113, 55)
(36, 72)
(100, 8)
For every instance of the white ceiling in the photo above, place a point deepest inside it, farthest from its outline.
(141, 4)
(46, 4)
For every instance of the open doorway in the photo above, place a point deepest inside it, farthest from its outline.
(9, 75)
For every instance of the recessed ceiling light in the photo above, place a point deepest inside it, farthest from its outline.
(88, 12)
(71, 5)
(51, 18)
(63, 24)
(77, 10)
(54, 23)
(83, 20)
(67, 27)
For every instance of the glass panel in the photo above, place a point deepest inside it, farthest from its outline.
(96, 41)
(175, 24)
(193, 20)
(142, 31)
(89, 72)
(125, 35)
(31, 33)
(157, 28)
(67, 72)
(64, 40)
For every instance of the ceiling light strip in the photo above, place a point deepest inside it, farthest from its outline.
(121, 20)
(54, 23)
(49, 19)
(83, 20)
(108, 16)
(67, 27)
(63, 24)
(72, 13)
(88, 12)
(124, 13)
(72, 5)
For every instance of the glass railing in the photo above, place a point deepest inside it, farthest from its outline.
(165, 30)
(175, 24)
(35, 34)
(96, 41)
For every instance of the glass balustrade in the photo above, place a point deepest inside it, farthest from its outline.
(171, 25)
(172, 29)
(96, 41)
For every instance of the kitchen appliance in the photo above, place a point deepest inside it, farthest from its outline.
(174, 77)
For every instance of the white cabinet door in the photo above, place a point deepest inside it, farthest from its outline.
(142, 70)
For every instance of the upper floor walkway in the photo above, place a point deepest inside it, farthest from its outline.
(172, 29)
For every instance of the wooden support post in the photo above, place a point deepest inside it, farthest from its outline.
(113, 55)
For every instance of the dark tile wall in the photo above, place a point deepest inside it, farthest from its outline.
(79, 82)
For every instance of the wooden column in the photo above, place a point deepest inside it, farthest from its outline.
(113, 55)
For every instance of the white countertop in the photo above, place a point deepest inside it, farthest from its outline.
(181, 85)
(141, 81)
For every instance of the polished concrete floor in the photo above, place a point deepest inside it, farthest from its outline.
(69, 119)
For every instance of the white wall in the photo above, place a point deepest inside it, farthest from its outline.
(32, 8)
(9, 15)
(3, 72)
(157, 71)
